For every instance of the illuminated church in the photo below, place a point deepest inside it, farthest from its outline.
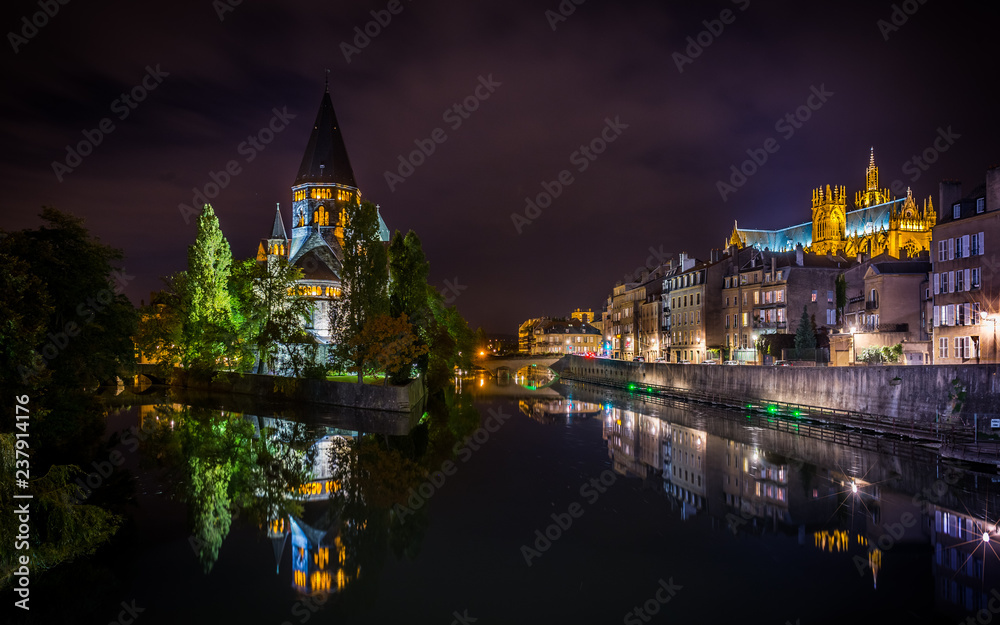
(876, 224)
(324, 187)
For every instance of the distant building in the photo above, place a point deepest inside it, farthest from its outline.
(884, 308)
(694, 301)
(765, 293)
(877, 224)
(965, 281)
(526, 335)
(559, 336)
(586, 316)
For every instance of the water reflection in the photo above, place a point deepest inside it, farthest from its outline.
(317, 490)
(758, 475)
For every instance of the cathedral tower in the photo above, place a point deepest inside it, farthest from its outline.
(829, 213)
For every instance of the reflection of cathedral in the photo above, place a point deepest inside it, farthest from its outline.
(323, 189)
(877, 224)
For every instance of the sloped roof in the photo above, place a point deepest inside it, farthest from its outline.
(325, 159)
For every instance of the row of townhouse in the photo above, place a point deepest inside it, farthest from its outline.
(941, 305)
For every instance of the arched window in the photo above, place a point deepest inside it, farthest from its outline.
(873, 298)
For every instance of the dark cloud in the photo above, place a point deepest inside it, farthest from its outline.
(654, 186)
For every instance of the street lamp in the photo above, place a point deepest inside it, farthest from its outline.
(986, 317)
(854, 351)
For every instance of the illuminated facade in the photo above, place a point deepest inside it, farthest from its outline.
(877, 224)
(323, 190)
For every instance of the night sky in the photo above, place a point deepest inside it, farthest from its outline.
(678, 131)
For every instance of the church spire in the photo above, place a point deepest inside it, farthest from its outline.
(278, 229)
(325, 159)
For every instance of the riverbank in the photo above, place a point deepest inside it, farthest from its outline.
(405, 398)
(887, 398)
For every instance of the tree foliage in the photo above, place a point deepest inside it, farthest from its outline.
(268, 309)
(364, 284)
(875, 354)
(805, 335)
(65, 318)
(389, 346)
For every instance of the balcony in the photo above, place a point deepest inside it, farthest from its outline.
(884, 327)
(770, 325)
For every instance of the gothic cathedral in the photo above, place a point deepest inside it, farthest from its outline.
(876, 224)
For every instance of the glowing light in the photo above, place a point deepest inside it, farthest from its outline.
(854, 487)
(986, 537)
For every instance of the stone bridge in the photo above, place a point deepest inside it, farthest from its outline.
(512, 364)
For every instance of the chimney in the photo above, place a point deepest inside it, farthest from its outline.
(773, 266)
(715, 255)
(993, 188)
(950, 191)
(798, 254)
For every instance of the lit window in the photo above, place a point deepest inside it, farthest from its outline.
(980, 205)
(956, 211)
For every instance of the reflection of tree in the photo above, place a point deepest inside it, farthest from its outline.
(61, 529)
(225, 471)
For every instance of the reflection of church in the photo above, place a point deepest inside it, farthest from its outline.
(323, 189)
(877, 224)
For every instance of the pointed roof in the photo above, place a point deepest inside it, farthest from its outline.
(278, 229)
(325, 159)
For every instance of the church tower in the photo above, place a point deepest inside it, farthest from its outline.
(872, 195)
(324, 185)
(323, 189)
(829, 213)
(276, 245)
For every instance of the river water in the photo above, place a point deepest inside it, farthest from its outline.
(522, 503)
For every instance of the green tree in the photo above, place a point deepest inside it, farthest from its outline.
(805, 337)
(60, 529)
(77, 285)
(841, 286)
(408, 269)
(408, 288)
(364, 284)
(268, 309)
(208, 329)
